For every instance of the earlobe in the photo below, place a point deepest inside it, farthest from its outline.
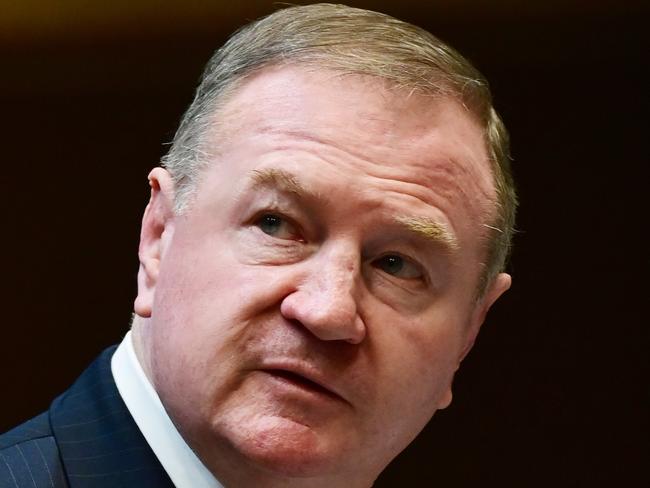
(445, 400)
(157, 223)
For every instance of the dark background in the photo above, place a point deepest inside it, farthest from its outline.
(555, 392)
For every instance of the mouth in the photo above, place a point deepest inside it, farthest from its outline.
(302, 382)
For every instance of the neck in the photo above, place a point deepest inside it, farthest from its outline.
(139, 338)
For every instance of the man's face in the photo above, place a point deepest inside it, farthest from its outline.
(307, 314)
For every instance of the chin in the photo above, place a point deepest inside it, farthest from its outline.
(286, 447)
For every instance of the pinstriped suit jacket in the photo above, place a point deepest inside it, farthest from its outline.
(87, 439)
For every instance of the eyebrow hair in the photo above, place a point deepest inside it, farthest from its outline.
(280, 179)
(431, 230)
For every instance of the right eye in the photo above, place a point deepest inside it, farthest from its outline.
(277, 226)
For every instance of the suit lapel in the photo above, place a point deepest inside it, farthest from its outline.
(100, 444)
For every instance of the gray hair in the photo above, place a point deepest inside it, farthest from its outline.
(352, 41)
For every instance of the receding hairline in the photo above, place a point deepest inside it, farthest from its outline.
(222, 120)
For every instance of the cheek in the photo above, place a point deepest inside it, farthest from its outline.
(410, 384)
(197, 280)
(191, 317)
(416, 361)
(204, 305)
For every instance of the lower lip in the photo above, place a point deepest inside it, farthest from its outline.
(294, 383)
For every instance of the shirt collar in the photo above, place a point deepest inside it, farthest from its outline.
(179, 461)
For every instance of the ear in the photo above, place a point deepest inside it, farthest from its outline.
(156, 231)
(499, 286)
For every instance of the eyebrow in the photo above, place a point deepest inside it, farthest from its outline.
(424, 227)
(280, 179)
(430, 230)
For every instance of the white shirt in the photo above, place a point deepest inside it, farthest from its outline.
(177, 458)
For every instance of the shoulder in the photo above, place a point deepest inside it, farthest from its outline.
(29, 456)
(36, 428)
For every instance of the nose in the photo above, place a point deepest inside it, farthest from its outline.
(324, 302)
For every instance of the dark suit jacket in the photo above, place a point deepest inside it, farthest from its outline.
(87, 439)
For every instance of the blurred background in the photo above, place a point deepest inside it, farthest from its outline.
(555, 392)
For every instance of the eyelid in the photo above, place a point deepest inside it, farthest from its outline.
(408, 259)
(275, 211)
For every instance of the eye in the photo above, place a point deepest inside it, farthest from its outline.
(398, 266)
(277, 226)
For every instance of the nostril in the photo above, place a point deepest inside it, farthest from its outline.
(295, 323)
(328, 316)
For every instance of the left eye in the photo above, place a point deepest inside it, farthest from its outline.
(276, 226)
(398, 266)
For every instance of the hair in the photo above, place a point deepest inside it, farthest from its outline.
(351, 41)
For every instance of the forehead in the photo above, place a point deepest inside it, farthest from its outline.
(375, 133)
(297, 97)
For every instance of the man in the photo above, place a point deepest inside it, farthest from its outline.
(320, 249)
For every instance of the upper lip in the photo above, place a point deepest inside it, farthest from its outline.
(306, 372)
